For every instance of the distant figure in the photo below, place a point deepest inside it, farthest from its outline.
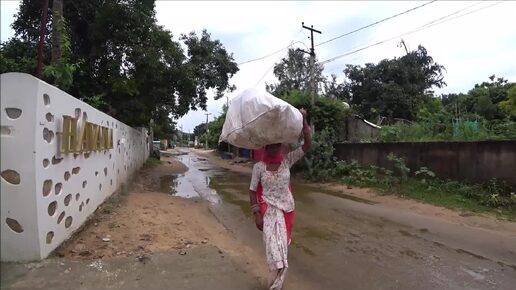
(272, 203)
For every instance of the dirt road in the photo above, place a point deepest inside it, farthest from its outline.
(187, 225)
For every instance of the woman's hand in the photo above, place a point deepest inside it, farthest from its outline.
(303, 112)
(258, 219)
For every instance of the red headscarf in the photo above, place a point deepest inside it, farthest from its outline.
(289, 216)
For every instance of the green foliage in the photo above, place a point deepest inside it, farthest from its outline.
(119, 52)
(320, 160)
(328, 113)
(151, 162)
(425, 174)
(393, 88)
(293, 73)
(509, 105)
(399, 165)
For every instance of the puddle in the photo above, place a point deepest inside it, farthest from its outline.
(176, 185)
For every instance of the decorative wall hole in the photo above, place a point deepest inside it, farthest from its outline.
(56, 160)
(58, 188)
(48, 135)
(46, 163)
(111, 181)
(14, 225)
(87, 155)
(13, 113)
(5, 130)
(61, 217)
(68, 222)
(52, 208)
(50, 237)
(49, 117)
(47, 187)
(11, 176)
(87, 201)
(116, 126)
(46, 100)
(84, 183)
(100, 186)
(96, 173)
(77, 113)
(118, 171)
(84, 117)
(107, 123)
(76, 170)
(109, 155)
(77, 196)
(81, 206)
(105, 171)
(75, 155)
(67, 175)
(67, 199)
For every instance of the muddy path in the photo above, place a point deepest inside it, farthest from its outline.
(343, 238)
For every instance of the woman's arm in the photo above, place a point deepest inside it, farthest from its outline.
(307, 134)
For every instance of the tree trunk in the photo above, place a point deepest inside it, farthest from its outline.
(57, 16)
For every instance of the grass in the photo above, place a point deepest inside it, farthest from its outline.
(151, 162)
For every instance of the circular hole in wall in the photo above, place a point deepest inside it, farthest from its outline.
(47, 187)
(76, 170)
(49, 117)
(50, 237)
(87, 155)
(46, 100)
(13, 113)
(14, 225)
(46, 163)
(77, 196)
(81, 206)
(105, 171)
(77, 113)
(84, 183)
(111, 181)
(52, 208)
(87, 201)
(67, 199)
(68, 221)
(61, 217)
(100, 186)
(66, 175)
(84, 117)
(58, 188)
(48, 135)
(96, 173)
(109, 155)
(10, 176)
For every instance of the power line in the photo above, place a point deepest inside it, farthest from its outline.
(377, 22)
(425, 26)
(272, 53)
(268, 70)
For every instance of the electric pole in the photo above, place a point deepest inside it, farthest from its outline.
(313, 88)
(207, 131)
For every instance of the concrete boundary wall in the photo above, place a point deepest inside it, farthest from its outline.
(476, 162)
(47, 195)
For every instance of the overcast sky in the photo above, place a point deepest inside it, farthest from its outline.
(471, 47)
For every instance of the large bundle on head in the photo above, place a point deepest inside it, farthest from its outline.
(256, 118)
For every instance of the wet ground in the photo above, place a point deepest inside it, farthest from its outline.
(342, 241)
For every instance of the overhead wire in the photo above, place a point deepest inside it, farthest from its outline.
(272, 53)
(425, 26)
(375, 23)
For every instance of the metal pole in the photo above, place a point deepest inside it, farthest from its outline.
(207, 131)
(42, 31)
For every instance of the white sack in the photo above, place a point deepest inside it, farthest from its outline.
(256, 118)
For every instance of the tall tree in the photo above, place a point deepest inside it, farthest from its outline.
(127, 65)
(293, 73)
(393, 88)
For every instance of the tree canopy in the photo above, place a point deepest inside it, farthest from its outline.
(123, 62)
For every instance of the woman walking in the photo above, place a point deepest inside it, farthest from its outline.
(272, 203)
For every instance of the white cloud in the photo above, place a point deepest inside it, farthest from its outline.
(471, 47)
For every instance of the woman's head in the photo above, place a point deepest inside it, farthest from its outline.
(273, 149)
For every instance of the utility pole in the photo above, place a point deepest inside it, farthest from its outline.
(313, 88)
(181, 139)
(207, 131)
(42, 32)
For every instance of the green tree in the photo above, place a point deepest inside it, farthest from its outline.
(293, 73)
(127, 65)
(509, 105)
(393, 88)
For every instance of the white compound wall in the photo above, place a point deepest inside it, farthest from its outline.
(46, 196)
